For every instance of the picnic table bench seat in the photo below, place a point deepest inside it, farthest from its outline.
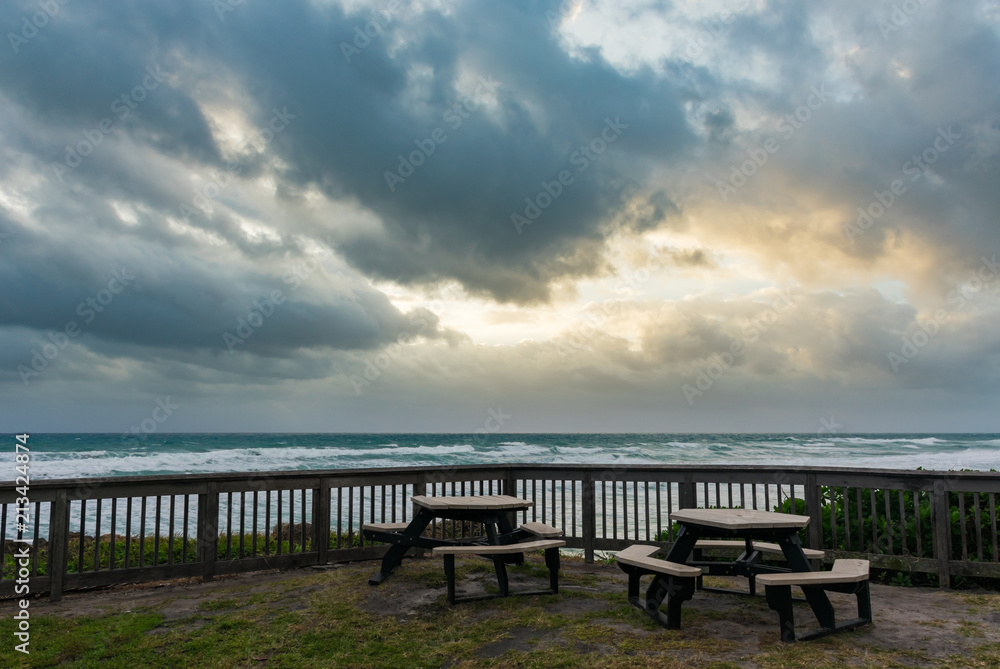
(497, 553)
(669, 578)
(385, 527)
(541, 530)
(848, 576)
(762, 546)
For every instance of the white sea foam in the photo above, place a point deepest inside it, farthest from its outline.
(582, 450)
(513, 450)
(927, 441)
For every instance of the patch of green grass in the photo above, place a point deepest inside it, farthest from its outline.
(931, 623)
(219, 604)
(983, 602)
(530, 569)
(967, 628)
(986, 655)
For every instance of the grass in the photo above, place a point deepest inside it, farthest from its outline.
(332, 618)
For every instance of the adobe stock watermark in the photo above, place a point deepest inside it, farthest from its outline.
(294, 275)
(88, 309)
(454, 116)
(927, 330)
(47, 9)
(900, 16)
(740, 174)
(581, 159)
(495, 419)
(223, 7)
(261, 309)
(372, 29)
(714, 29)
(122, 107)
(914, 168)
(828, 425)
(219, 181)
(720, 364)
(162, 410)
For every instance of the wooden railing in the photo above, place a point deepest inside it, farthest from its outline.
(94, 532)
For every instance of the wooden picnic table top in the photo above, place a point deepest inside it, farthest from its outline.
(472, 503)
(739, 519)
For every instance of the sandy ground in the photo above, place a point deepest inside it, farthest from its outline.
(915, 623)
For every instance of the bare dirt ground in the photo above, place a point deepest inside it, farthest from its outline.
(913, 626)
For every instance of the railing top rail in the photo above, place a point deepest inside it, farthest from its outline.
(422, 474)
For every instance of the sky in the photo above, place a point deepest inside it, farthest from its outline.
(446, 216)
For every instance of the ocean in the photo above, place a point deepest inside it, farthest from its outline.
(56, 456)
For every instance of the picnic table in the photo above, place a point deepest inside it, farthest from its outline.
(501, 541)
(759, 532)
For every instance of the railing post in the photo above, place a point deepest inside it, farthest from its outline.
(510, 483)
(814, 508)
(589, 519)
(687, 492)
(58, 544)
(941, 528)
(321, 520)
(208, 530)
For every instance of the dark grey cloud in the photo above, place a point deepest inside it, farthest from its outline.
(451, 219)
(135, 297)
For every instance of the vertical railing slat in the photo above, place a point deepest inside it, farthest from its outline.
(993, 526)
(979, 527)
(128, 531)
(961, 522)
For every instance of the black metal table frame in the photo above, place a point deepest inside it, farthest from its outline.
(786, 537)
(496, 524)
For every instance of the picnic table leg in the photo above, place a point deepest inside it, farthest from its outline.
(699, 555)
(502, 525)
(683, 545)
(449, 573)
(552, 562)
(491, 532)
(676, 591)
(779, 598)
(633, 585)
(394, 556)
(864, 601)
(750, 557)
(501, 569)
(797, 561)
